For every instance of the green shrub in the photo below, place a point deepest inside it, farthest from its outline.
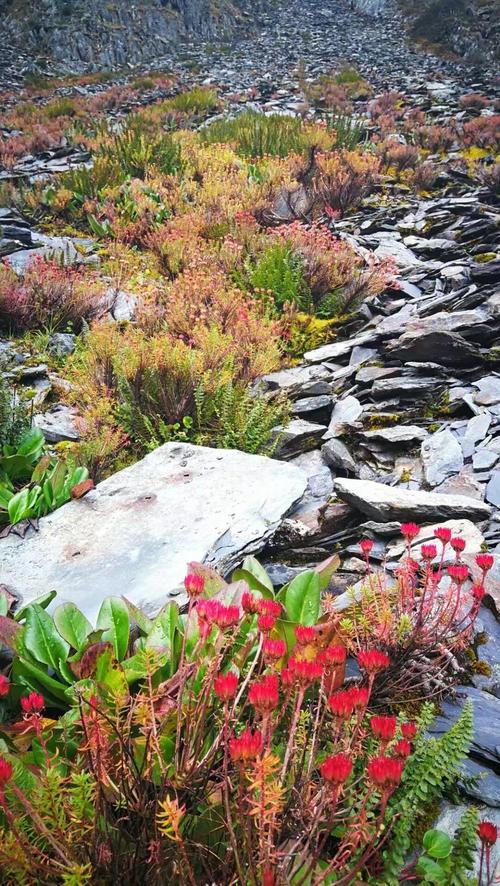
(256, 135)
(61, 107)
(278, 276)
(135, 153)
(195, 101)
(232, 418)
(14, 418)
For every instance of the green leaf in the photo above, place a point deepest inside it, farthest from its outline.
(72, 624)
(9, 632)
(42, 639)
(163, 628)
(114, 620)
(251, 565)
(32, 443)
(42, 601)
(326, 569)
(142, 621)
(437, 844)
(431, 871)
(35, 678)
(253, 583)
(302, 598)
(111, 678)
(17, 508)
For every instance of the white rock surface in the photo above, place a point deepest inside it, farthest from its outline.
(386, 503)
(137, 532)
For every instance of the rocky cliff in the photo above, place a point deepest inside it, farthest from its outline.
(92, 35)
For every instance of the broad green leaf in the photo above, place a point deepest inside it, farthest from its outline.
(432, 872)
(32, 443)
(250, 564)
(113, 619)
(72, 624)
(17, 508)
(42, 601)
(302, 598)
(142, 621)
(253, 583)
(41, 638)
(213, 581)
(40, 469)
(326, 569)
(286, 632)
(111, 678)
(163, 628)
(437, 844)
(39, 681)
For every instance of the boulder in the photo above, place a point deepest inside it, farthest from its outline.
(137, 531)
(442, 455)
(386, 503)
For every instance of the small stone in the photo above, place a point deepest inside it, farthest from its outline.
(336, 454)
(442, 455)
(492, 494)
(484, 459)
(61, 344)
(398, 434)
(489, 390)
(58, 424)
(345, 412)
(298, 436)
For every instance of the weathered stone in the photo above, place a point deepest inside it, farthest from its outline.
(299, 381)
(345, 412)
(489, 390)
(61, 344)
(298, 436)
(493, 489)
(476, 430)
(484, 459)
(446, 348)
(136, 533)
(317, 409)
(58, 424)
(442, 455)
(485, 743)
(397, 434)
(338, 349)
(386, 503)
(337, 455)
(403, 386)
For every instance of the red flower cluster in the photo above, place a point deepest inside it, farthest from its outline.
(383, 727)
(478, 592)
(305, 635)
(273, 649)
(211, 612)
(458, 573)
(485, 562)
(385, 772)
(402, 748)
(458, 544)
(225, 685)
(264, 696)
(265, 623)
(336, 769)
(410, 530)
(247, 747)
(343, 704)
(32, 703)
(270, 607)
(305, 672)
(4, 686)
(194, 584)
(488, 833)
(250, 603)
(443, 534)
(409, 730)
(373, 660)
(428, 552)
(5, 771)
(332, 656)
(366, 546)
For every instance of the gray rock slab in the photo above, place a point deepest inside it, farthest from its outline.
(338, 348)
(398, 434)
(489, 390)
(137, 531)
(442, 456)
(58, 424)
(386, 503)
(485, 743)
(298, 436)
(336, 454)
(345, 412)
(493, 489)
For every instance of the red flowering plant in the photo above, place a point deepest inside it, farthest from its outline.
(224, 747)
(421, 610)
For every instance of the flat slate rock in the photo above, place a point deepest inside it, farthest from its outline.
(136, 533)
(386, 503)
(486, 739)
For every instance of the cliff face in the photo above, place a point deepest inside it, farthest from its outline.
(95, 34)
(467, 28)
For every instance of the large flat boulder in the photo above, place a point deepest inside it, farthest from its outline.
(137, 531)
(386, 503)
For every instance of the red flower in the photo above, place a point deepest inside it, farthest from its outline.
(336, 769)
(385, 772)
(478, 592)
(4, 686)
(306, 672)
(341, 704)
(226, 616)
(225, 685)
(443, 534)
(194, 584)
(485, 561)
(458, 573)
(250, 603)
(488, 833)
(305, 635)
(287, 677)
(5, 771)
(366, 545)
(247, 747)
(273, 649)
(384, 727)
(409, 730)
(373, 660)
(428, 552)
(359, 696)
(32, 703)
(331, 656)
(402, 748)
(266, 623)
(270, 607)
(458, 544)
(409, 530)
(264, 695)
